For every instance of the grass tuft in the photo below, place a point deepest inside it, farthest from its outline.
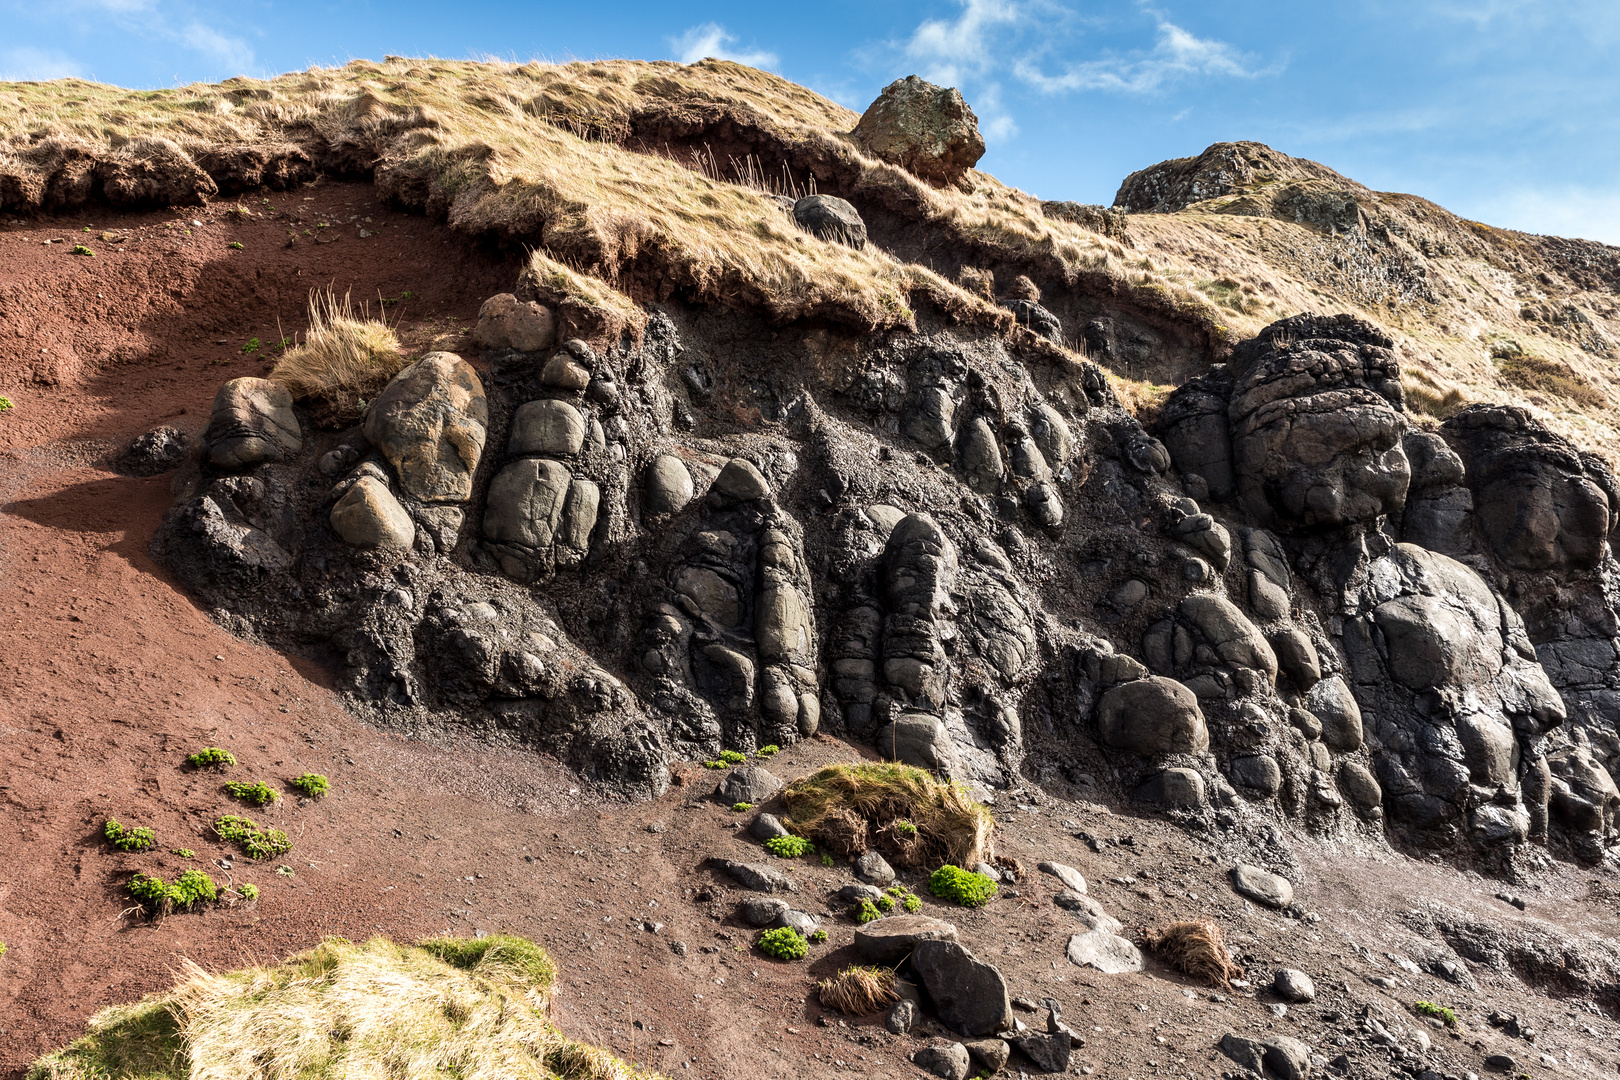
(346, 356)
(840, 805)
(369, 1011)
(858, 990)
(1197, 949)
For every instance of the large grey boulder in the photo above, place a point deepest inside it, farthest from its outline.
(1276, 1057)
(1050, 1051)
(669, 485)
(969, 996)
(546, 427)
(757, 877)
(430, 423)
(505, 322)
(948, 1060)
(525, 503)
(917, 739)
(925, 129)
(830, 218)
(1331, 702)
(748, 784)
(251, 423)
(1105, 952)
(1152, 716)
(889, 941)
(1316, 424)
(874, 869)
(740, 481)
(368, 516)
(1262, 886)
(1236, 640)
(762, 910)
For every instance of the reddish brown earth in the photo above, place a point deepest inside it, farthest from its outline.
(112, 675)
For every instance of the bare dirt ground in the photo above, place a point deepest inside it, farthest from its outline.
(112, 676)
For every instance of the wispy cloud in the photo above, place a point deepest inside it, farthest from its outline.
(1579, 212)
(1175, 56)
(968, 43)
(36, 65)
(711, 39)
(222, 47)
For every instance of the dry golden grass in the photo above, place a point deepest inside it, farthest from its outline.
(371, 1011)
(346, 355)
(950, 826)
(1197, 949)
(858, 991)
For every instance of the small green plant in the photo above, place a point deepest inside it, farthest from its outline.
(248, 891)
(256, 842)
(406, 295)
(783, 943)
(313, 785)
(190, 888)
(252, 345)
(788, 847)
(284, 344)
(284, 871)
(183, 852)
(864, 911)
(826, 859)
(124, 838)
(885, 904)
(732, 757)
(1439, 1012)
(716, 764)
(815, 939)
(905, 828)
(2, 948)
(912, 903)
(963, 887)
(767, 751)
(258, 793)
(235, 245)
(80, 249)
(211, 756)
(739, 807)
(5, 403)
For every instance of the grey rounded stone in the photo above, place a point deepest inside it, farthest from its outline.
(546, 427)
(505, 322)
(757, 877)
(1294, 985)
(430, 422)
(748, 784)
(949, 1061)
(855, 892)
(990, 1054)
(1152, 716)
(1336, 707)
(874, 869)
(1262, 886)
(741, 481)
(830, 218)
(1296, 657)
(767, 827)
(251, 422)
(1359, 786)
(1176, 789)
(564, 372)
(762, 910)
(1105, 952)
(925, 129)
(889, 941)
(669, 485)
(902, 1014)
(969, 995)
(801, 921)
(368, 516)
(1258, 773)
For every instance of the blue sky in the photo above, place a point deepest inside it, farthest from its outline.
(1507, 111)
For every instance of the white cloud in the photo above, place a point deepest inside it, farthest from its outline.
(227, 50)
(711, 39)
(952, 47)
(28, 64)
(1176, 55)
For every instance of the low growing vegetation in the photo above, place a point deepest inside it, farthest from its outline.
(446, 1007)
(126, 838)
(1197, 949)
(962, 887)
(255, 841)
(311, 785)
(783, 943)
(159, 897)
(1437, 1011)
(211, 756)
(788, 847)
(257, 793)
(346, 356)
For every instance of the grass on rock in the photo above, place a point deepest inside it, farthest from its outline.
(842, 806)
(346, 356)
(368, 1011)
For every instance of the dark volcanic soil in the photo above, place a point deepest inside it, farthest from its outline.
(113, 676)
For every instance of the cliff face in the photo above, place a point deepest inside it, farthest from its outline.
(896, 461)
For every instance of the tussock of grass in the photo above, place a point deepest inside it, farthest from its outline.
(1550, 377)
(949, 826)
(1427, 396)
(858, 991)
(371, 1011)
(346, 356)
(1197, 949)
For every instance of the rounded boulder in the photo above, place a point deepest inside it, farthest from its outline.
(1152, 716)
